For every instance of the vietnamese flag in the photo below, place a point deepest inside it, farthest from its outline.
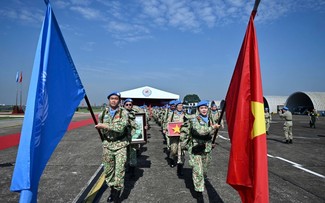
(247, 169)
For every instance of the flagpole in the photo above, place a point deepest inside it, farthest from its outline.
(257, 2)
(93, 116)
(219, 122)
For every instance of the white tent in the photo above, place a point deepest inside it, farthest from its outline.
(147, 92)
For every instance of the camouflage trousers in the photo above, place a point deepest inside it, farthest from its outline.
(132, 154)
(267, 126)
(114, 167)
(176, 152)
(199, 164)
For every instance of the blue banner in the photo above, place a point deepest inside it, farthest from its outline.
(55, 92)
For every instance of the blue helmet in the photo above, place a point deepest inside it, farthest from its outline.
(285, 108)
(114, 93)
(202, 103)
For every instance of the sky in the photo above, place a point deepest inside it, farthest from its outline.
(179, 46)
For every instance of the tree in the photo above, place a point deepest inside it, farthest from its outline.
(191, 98)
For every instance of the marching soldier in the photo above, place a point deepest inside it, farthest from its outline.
(215, 114)
(115, 124)
(176, 153)
(196, 137)
(287, 116)
(164, 124)
(268, 119)
(132, 148)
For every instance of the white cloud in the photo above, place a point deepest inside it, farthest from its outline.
(88, 13)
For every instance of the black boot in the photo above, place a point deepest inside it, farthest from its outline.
(180, 169)
(132, 171)
(117, 198)
(172, 163)
(111, 196)
(199, 197)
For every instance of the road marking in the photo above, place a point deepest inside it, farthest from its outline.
(296, 165)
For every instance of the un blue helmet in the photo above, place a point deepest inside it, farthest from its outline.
(285, 108)
(114, 93)
(202, 103)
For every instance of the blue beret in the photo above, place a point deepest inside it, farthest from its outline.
(202, 103)
(178, 102)
(114, 93)
(172, 102)
(127, 100)
(285, 108)
(266, 109)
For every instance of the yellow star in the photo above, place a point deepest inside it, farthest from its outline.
(176, 129)
(259, 121)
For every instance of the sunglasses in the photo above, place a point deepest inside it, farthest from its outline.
(128, 104)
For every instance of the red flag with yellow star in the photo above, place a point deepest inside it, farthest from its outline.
(174, 128)
(247, 169)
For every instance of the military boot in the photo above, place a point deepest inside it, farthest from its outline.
(111, 196)
(132, 171)
(199, 197)
(180, 169)
(117, 198)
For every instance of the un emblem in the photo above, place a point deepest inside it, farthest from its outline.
(146, 92)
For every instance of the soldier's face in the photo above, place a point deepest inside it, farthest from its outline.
(179, 107)
(172, 107)
(203, 110)
(213, 108)
(114, 100)
(128, 105)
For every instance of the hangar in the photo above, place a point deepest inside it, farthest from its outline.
(274, 103)
(301, 102)
(149, 96)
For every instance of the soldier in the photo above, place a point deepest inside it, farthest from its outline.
(115, 125)
(286, 114)
(215, 114)
(313, 117)
(176, 153)
(132, 148)
(268, 119)
(196, 137)
(164, 124)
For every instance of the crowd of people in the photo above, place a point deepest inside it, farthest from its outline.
(182, 130)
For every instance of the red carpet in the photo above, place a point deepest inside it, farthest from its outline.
(12, 140)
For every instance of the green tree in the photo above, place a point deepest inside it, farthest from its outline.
(191, 98)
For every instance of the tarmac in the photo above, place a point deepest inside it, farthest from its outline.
(296, 171)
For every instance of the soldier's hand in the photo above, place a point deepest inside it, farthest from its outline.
(216, 126)
(101, 126)
(214, 145)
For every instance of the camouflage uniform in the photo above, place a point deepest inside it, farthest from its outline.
(177, 154)
(287, 125)
(195, 132)
(115, 146)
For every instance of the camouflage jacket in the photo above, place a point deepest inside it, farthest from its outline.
(195, 131)
(174, 117)
(119, 127)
